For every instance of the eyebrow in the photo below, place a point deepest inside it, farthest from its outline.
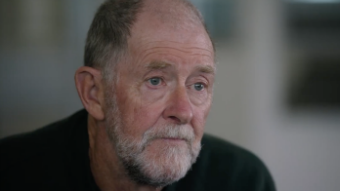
(158, 65)
(206, 69)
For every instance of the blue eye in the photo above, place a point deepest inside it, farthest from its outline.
(155, 81)
(198, 86)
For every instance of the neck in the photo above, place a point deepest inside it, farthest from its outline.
(106, 168)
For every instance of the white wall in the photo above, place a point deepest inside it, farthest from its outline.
(301, 149)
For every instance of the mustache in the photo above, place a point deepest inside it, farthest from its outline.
(171, 131)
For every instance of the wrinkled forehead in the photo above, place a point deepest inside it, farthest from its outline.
(168, 20)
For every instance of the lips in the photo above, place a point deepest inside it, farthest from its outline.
(172, 140)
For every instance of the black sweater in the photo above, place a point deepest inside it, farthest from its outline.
(56, 157)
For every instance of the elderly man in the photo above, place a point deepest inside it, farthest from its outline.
(146, 87)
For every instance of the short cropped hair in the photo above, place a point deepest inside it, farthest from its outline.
(109, 31)
(108, 34)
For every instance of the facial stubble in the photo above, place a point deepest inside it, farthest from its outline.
(143, 163)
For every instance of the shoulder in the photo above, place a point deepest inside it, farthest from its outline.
(20, 142)
(37, 155)
(222, 165)
(42, 139)
(217, 150)
(19, 148)
(224, 153)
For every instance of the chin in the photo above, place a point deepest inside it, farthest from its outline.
(162, 164)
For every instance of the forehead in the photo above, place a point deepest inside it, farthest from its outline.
(172, 26)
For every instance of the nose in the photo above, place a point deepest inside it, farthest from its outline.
(179, 108)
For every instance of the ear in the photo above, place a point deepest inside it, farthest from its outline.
(91, 91)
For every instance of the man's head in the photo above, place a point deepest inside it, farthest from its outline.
(155, 106)
(107, 38)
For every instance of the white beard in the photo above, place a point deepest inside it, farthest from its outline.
(169, 164)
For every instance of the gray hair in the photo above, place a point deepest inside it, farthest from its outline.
(108, 34)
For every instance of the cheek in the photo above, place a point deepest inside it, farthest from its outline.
(199, 120)
(138, 115)
(147, 114)
(147, 106)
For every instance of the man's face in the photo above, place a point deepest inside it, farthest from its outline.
(158, 106)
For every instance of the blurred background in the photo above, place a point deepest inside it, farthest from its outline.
(277, 90)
